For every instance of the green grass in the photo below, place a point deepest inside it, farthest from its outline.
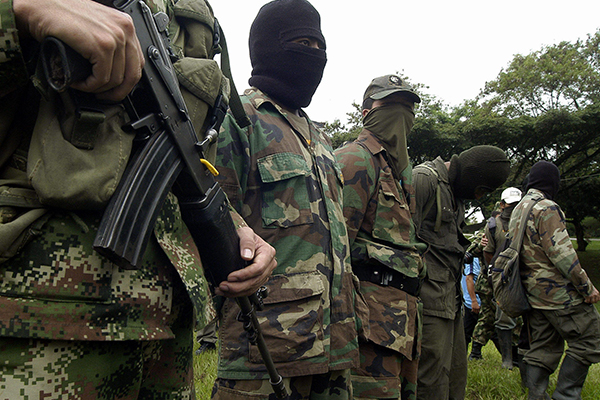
(486, 379)
(205, 372)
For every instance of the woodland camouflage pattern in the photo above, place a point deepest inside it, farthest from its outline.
(280, 174)
(334, 385)
(550, 268)
(382, 234)
(484, 329)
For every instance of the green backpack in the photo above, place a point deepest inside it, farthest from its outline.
(78, 152)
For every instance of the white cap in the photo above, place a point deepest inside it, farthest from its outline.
(511, 195)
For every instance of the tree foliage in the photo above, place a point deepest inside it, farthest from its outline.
(544, 106)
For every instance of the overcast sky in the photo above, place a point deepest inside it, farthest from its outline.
(453, 47)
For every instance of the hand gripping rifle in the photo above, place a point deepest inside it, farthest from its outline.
(170, 156)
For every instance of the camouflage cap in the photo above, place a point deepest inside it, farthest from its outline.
(385, 85)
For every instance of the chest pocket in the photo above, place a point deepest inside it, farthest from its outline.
(393, 214)
(286, 198)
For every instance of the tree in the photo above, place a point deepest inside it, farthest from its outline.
(545, 105)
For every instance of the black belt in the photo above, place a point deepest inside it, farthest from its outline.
(384, 276)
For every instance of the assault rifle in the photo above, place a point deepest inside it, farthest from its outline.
(168, 156)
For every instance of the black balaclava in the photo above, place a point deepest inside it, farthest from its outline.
(544, 176)
(288, 72)
(484, 167)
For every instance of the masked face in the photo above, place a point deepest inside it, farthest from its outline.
(282, 65)
(391, 123)
(477, 171)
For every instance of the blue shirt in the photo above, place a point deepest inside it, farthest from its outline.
(473, 269)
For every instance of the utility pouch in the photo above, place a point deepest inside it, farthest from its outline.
(78, 151)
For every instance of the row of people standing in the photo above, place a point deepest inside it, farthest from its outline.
(359, 213)
(385, 243)
(327, 327)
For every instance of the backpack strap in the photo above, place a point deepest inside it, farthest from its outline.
(235, 103)
(517, 239)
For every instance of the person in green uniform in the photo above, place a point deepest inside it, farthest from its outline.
(441, 188)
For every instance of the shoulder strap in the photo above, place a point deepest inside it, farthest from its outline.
(517, 239)
(235, 104)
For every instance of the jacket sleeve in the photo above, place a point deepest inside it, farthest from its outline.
(233, 161)
(359, 185)
(425, 184)
(557, 245)
(13, 72)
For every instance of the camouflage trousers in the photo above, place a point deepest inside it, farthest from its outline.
(97, 370)
(334, 385)
(384, 374)
(485, 327)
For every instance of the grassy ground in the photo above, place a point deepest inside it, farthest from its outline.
(486, 379)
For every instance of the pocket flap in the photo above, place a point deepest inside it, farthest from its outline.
(280, 166)
(282, 288)
(404, 261)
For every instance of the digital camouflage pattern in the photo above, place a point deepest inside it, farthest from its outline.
(58, 287)
(280, 174)
(382, 235)
(550, 269)
(101, 370)
(72, 323)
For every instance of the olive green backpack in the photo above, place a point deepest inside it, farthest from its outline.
(78, 151)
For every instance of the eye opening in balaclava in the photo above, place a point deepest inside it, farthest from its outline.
(288, 72)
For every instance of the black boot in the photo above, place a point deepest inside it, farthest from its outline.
(505, 338)
(537, 382)
(523, 372)
(475, 351)
(516, 356)
(571, 377)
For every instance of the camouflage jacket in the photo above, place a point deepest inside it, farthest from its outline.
(550, 268)
(496, 240)
(441, 293)
(281, 175)
(54, 285)
(382, 235)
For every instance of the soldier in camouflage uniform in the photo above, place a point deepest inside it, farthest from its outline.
(384, 250)
(471, 273)
(485, 327)
(559, 291)
(440, 189)
(72, 324)
(507, 329)
(281, 174)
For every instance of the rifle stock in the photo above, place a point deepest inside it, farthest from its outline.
(170, 156)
